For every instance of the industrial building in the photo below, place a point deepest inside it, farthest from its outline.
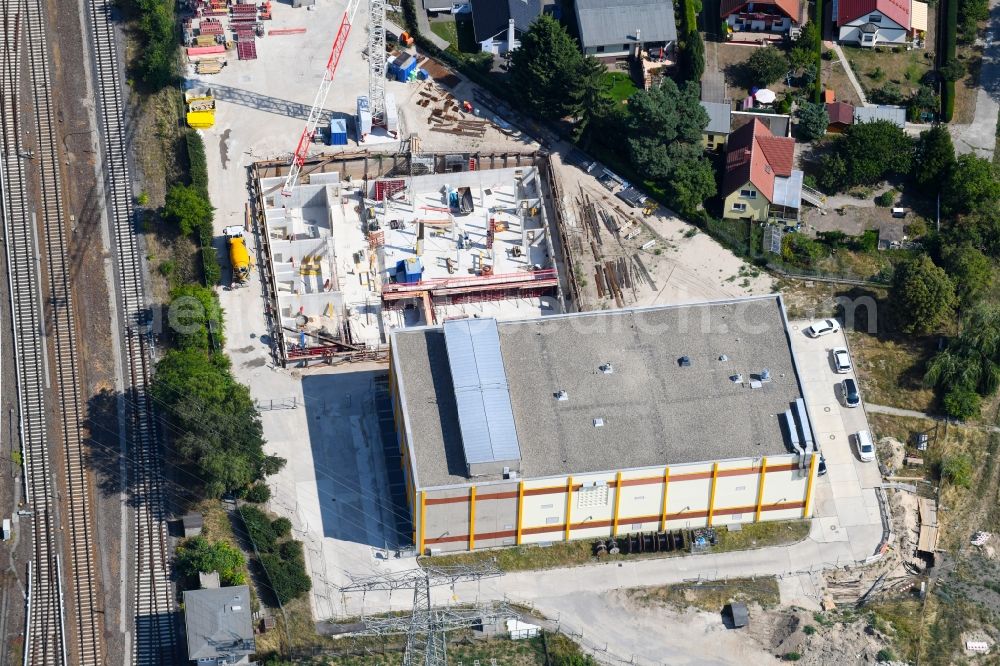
(593, 424)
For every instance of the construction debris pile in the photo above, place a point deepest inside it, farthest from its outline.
(448, 115)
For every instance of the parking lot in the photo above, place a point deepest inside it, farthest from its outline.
(846, 504)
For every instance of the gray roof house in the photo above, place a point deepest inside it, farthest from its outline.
(219, 625)
(494, 22)
(617, 28)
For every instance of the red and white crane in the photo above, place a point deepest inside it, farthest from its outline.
(302, 150)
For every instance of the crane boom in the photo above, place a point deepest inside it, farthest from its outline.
(302, 150)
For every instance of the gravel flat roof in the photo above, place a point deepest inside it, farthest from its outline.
(654, 410)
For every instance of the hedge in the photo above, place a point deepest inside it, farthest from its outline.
(818, 84)
(950, 44)
(197, 166)
(282, 558)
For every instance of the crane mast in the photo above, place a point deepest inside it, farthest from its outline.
(302, 149)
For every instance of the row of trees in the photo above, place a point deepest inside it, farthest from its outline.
(555, 80)
(955, 276)
(156, 64)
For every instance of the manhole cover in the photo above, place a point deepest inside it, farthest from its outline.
(833, 528)
(826, 409)
(833, 437)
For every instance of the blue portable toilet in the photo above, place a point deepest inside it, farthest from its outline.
(338, 132)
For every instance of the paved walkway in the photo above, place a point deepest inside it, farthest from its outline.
(979, 137)
(913, 414)
(848, 70)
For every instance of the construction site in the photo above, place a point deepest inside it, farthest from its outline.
(365, 247)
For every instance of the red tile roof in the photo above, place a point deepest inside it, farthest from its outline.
(840, 112)
(897, 10)
(790, 8)
(756, 156)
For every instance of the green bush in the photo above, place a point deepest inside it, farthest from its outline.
(197, 166)
(211, 269)
(189, 209)
(886, 199)
(156, 64)
(885, 654)
(791, 656)
(947, 101)
(281, 526)
(193, 309)
(962, 403)
(808, 630)
(259, 528)
(258, 493)
(289, 580)
(198, 554)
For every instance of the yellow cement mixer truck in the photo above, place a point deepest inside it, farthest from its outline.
(239, 257)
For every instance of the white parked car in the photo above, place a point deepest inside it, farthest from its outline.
(841, 360)
(821, 328)
(866, 447)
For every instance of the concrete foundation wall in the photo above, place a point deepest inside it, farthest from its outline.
(527, 511)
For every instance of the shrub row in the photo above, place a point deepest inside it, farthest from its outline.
(949, 42)
(280, 556)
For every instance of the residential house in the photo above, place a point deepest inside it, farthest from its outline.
(759, 183)
(872, 112)
(219, 625)
(872, 22)
(841, 116)
(774, 16)
(618, 29)
(498, 24)
(714, 136)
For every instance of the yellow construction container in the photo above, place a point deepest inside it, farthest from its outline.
(200, 108)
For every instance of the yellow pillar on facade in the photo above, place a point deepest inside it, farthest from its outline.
(520, 510)
(760, 488)
(711, 497)
(472, 517)
(569, 505)
(618, 501)
(663, 508)
(423, 521)
(807, 505)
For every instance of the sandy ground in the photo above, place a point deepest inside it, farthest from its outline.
(685, 264)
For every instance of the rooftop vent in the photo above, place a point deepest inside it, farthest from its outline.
(684, 361)
(561, 396)
(607, 369)
(723, 357)
(736, 379)
(765, 375)
(598, 423)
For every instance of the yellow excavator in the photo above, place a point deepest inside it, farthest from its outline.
(239, 256)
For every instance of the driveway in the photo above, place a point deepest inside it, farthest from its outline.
(980, 136)
(846, 503)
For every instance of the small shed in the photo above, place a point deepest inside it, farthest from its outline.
(192, 524)
(338, 132)
(739, 614)
(409, 271)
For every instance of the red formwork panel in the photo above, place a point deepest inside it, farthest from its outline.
(246, 49)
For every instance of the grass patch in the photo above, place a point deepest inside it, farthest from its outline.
(618, 86)
(712, 597)
(901, 621)
(577, 553)
(891, 372)
(464, 650)
(905, 69)
(447, 31)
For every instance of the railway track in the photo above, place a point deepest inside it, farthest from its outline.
(155, 638)
(32, 177)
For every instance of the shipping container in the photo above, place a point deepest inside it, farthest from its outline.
(338, 132)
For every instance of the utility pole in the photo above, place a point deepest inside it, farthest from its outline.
(426, 627)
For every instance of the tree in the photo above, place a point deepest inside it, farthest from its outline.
(258, 493)
(813, 120)
(767, 65)
(546, 70)
(596, 106)
(972, 360)
(693, 57)
(933, 158)
(870, 152)
(800, 57)
(220, 438)
(187, 208)
(970, 270)
(198, 554)
(972, 183)
(665, 125)
(157, 60)
(923, 296)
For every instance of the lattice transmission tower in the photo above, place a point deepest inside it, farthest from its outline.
(426, 627)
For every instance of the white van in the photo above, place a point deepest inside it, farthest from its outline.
(866, 447)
